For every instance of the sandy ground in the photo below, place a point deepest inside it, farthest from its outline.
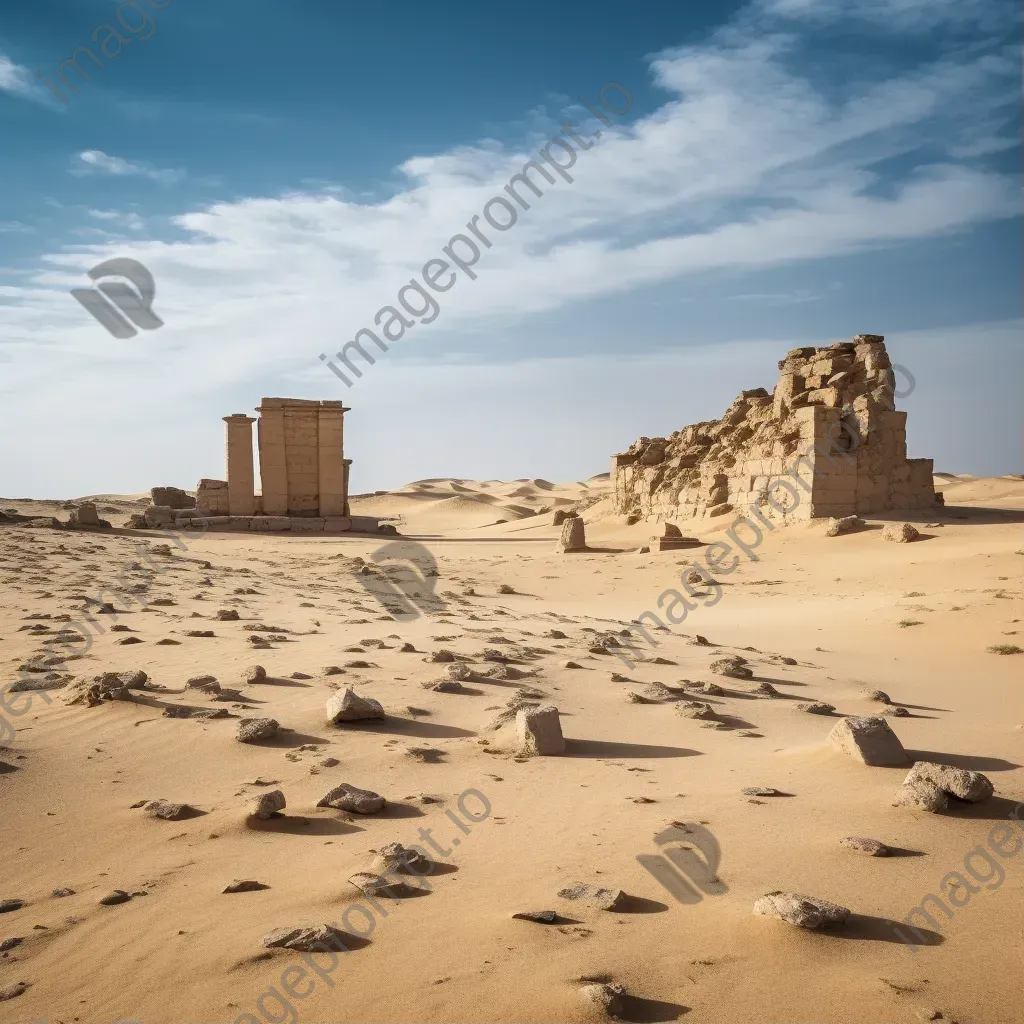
(182, 950)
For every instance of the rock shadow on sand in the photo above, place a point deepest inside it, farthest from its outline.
(607, 748)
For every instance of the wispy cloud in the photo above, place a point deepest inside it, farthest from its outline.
(19, 81)
(95, 161)
(130, 220)
(900, 15)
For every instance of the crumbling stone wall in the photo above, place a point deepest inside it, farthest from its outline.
(212, 497)
(827, 442)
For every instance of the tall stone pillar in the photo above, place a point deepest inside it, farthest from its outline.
(330, 459)
(241, 484)
(348, 463)
(273, 460)
(301, 428)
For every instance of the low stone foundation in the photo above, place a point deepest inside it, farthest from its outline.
(159, 517)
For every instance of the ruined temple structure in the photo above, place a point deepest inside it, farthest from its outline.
(303, 470)
(826, 442)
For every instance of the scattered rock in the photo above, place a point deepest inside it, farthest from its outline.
(11, 943)
(696, 709)
(871, 847)
(594, 896)
(254, 674)
(227, 615)
(803, 911)
(407, 860)
(10, 905)
(608, 998)
(870, 740)
(760, 791)
(900, 533)
(964, 785)
(244, 885)
(170, 811)
(844, 525)
(347, 797)
(816, 707)
(266, 805)
(538, 916)
(539, 730)
(309, 939)
(63, 891)
(202, 683)
(734, 667)
(921, 795)
(573, 537)
(374, 885)
(348, 706)
(252, 730)
(880, 696)
(112, 899)
(13, 991)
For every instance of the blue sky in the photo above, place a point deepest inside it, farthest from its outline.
(790, 172)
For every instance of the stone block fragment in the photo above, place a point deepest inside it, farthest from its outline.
(870, 740)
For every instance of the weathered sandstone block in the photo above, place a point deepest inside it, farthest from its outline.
(539, 730)
(870, 740)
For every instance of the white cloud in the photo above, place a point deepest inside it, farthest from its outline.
(130, 220)
(95, 161)
(898, 15)
(18, 81)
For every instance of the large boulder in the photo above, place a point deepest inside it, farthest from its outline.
(870, 740)
(800, 910)
(574, 536)
(348, 706)
(964, 785)
(539, 730)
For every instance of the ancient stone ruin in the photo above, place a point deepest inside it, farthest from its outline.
(303, 470)
(828, 441)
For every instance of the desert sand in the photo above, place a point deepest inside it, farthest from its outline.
(821, 619)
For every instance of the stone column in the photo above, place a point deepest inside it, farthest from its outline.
(330, 459)
(241, 490)
(348, 463)
(300, 443)
(273, 463)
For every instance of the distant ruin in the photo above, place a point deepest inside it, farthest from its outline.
(303, 470)
(830, 429)
(303, 467)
